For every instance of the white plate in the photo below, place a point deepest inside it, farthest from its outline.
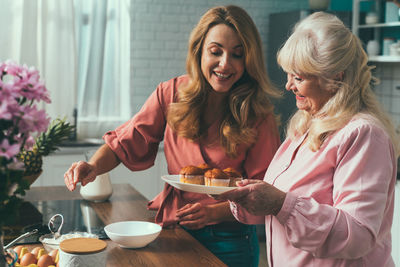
(195, 188)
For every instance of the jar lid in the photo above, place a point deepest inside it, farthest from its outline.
(82, 245)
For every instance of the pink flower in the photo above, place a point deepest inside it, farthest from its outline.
(20, 117)
(29, 142)
(4, 113)
(8, 151)
(22, 82)
(32, 120)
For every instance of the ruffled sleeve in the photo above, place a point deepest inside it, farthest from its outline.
(136, 141)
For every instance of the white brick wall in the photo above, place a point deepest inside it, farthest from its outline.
(160, 32)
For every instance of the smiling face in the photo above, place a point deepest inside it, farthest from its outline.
(310, 96)
(222, 58)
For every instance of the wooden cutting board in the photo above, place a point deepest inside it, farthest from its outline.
(83, 245)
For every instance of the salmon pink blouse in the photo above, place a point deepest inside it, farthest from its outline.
(136, 144)
(338, 209)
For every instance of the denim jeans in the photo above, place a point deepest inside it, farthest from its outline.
(236, 246)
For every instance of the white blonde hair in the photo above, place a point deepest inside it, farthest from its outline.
(322, 46)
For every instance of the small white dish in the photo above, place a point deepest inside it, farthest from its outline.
(195, 188)
(132, 234)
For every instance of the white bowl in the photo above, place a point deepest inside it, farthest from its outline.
(132, 234)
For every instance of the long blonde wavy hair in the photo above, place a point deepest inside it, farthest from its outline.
(248, 98)
(322, 46)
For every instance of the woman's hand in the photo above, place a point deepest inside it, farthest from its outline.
(101, 162)
(82, 172)
(193, 216)
(257, 197)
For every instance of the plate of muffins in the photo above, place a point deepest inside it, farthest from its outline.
(204, 179)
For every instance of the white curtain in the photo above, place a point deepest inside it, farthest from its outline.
(82, 50)
(41, 34)
(103, 38)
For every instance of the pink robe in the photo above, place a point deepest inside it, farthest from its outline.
(339, 205)
(136, 144)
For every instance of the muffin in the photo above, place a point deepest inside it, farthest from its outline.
(233, 175)
(205, 167)
(191, 175)
(216, 177)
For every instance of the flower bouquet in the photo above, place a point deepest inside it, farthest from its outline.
(24, 135)
(21, 120)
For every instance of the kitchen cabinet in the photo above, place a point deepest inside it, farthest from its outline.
(147, 182)
(375, 29)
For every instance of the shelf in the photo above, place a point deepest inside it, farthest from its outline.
(374, 31)
(380, 25)
(387, 59)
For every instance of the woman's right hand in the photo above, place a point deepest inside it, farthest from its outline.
(80, 171)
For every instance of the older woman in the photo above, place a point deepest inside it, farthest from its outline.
(219, 113)
(327, 196)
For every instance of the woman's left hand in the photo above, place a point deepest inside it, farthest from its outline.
(193, 216)
(257, 197)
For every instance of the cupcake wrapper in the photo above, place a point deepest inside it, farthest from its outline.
(192, 179)
(216, 182)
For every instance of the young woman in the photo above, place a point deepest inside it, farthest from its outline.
(219, 113)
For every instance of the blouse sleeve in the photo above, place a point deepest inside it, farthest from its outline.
(136, 142)
(257, 162)
(363, 190)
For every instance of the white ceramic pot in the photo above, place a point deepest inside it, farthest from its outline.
(319, 4)
(83, 252)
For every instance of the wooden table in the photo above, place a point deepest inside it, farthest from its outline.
(173, 247)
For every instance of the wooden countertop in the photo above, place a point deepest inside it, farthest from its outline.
(173, 247)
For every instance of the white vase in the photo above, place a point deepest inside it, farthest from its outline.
(318, 4)
(373, 48)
